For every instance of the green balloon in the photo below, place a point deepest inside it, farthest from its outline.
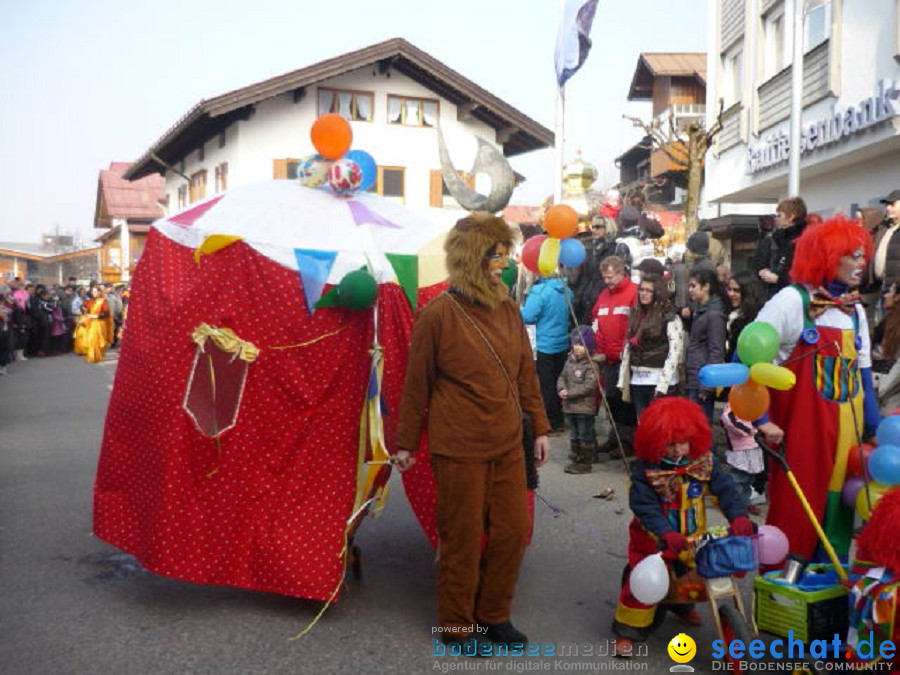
(357, 290)
(758, 343)
(510, 274)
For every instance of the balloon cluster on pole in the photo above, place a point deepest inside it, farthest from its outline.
(346, 171)
(751, 379)
(873, 471)
(543, 253)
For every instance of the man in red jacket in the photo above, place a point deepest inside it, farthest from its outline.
(610, 324)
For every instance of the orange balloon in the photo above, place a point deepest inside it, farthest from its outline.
(749, 400)
(331, 135)
(561, 221)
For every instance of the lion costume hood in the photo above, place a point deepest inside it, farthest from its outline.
(467, 244)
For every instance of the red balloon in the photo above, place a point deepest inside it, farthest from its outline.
(331, 135)
(855, 462)
(530, 252)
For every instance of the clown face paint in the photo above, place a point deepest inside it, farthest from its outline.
(851, 267)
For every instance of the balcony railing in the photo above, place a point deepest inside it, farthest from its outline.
(682, 115)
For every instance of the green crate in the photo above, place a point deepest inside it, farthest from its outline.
(812, 615)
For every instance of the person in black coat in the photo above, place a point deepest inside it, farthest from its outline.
(775, 252)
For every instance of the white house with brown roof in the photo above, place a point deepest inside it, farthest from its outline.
(125, 210)
(394, 95)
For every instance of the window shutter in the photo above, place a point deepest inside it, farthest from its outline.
(435, 193)
(279, 168)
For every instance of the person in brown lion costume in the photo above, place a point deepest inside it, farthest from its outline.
(471, 374)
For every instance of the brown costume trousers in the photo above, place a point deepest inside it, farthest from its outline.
(474, 499)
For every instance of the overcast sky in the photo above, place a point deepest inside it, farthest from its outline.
(87, 82)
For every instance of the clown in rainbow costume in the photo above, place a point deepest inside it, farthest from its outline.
(824, 340)
(675, 470)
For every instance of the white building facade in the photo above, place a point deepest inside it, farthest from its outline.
(394, 96)
(850, 147)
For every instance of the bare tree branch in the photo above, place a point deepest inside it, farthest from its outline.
(717, 125)
(675, 134)
(659, 141)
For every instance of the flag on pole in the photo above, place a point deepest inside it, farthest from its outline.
(573, 41)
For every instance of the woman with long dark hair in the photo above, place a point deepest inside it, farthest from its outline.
(653, 346)
(707, 338)
(746, 296)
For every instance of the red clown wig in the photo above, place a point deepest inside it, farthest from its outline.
(820, 249)
(878, 542)
(671, 420)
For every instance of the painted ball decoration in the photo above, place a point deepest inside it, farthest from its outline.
(357, 290)
(313, 171)
(345, 176)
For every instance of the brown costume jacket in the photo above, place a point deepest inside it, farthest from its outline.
(453, 379)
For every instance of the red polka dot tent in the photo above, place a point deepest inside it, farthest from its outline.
(252, 407)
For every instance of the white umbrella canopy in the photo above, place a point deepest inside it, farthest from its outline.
(275, 217)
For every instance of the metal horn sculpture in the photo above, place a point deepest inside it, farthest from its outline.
(488, 160)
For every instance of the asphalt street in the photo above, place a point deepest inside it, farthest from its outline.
(73, 604)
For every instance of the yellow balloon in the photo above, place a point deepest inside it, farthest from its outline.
(548, 258)
(213, 243)
(770, 375)
(876, 491)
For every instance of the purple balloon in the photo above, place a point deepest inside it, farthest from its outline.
(772, 545)
(851, 488)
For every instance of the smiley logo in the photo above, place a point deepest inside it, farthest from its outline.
(682, 648)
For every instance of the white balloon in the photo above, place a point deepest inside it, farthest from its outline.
(649, 580)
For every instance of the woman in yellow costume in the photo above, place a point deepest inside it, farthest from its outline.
(95, 331)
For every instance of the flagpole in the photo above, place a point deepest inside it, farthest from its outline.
(559, 142)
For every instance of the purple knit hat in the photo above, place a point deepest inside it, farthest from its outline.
(584, 335)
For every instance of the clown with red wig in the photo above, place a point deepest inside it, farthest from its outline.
(675, 469)
(875, 573)
(824, 340)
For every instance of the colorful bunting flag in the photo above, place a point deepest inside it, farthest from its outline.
(213, 243)
(314, 268)
(406, 268)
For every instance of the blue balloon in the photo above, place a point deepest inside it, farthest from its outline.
(884, 464)
(723, 374)
(888, 432)
(367, 165)
(571, 252)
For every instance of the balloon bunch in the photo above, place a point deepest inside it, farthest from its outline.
(881, 463)
(750, 379)
(542, 253)
(346, 171)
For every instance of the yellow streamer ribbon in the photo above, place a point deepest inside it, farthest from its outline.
(226, 340)
(310, 342)
(371, 433)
